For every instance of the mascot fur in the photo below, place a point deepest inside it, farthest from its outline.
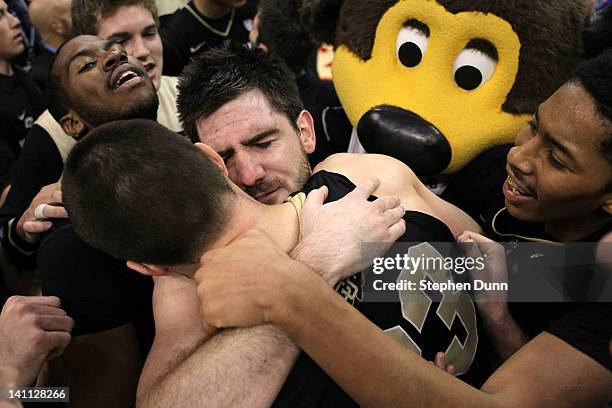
(436, 83)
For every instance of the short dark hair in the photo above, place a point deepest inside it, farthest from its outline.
(55, 97)
(595, 76)
(86, 14)
(137, 191)
(282, 31)
(220, 75)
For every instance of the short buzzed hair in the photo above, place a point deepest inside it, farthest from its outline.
(221, 75)
(86, 14)
(137, 191)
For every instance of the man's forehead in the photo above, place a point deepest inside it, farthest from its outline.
(80, 43)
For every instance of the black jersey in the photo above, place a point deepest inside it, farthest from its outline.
(420, 329)
(187, 33)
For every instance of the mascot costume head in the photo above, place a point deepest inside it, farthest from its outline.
(436, 82)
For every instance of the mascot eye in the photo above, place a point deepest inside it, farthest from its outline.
(473, 68)
(411, 45)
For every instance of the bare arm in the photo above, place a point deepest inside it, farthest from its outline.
(547, 372)
(240, 367)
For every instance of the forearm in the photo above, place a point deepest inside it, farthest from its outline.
(501, 328)
(238, 368)
(381, 372)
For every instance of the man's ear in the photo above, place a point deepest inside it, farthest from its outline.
(607, 206)
(148, 269)
(308, 137)
(214, 156)
(72, 124)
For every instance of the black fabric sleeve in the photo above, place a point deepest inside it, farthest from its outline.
(87, 281)
(588, 329)
(39, 164)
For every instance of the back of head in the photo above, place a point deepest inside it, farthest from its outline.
(221, 75)
(50, 17)
(137, 191)
(282, 31)
(86, 14)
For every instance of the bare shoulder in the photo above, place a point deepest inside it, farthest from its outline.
(360, 167)
(396, 178)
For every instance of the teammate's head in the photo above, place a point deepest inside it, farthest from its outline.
(131, 23)
(92, 82)
(280, 30)
(11, 41)
(561, 168)
(137, 191)
(246, 106)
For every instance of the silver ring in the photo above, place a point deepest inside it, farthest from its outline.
(38, 212)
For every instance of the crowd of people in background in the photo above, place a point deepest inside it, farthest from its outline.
(177, 219)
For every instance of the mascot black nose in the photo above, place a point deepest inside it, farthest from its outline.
(407, 137)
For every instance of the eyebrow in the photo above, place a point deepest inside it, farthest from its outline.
(553, 140)
(89, 52)
(126, 34)
(250, 142)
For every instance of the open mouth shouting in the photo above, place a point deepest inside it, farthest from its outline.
(124, 77)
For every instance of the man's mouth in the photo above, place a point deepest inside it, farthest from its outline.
(516, 189)
(151, 71)
(125, 76)
(266, 196)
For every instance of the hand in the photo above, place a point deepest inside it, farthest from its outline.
(492, 304)
(332, 233)
(28, 226)
(238, 285)
(33, 329)
(441, 363)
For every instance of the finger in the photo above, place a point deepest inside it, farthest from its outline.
(394, 215)
(57, 196)
(316, 197)
(46, 310)
(395, 231)
(450, 369)
(37, 226)
(387, 202)
(56, 323)
(57, 341)
(43, 300)
(55, 211)
(440, 360)
(366, 189)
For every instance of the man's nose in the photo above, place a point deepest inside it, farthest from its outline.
(249, 170)
(138, 48)
(113, 58)
(521, 159)
(14, 21)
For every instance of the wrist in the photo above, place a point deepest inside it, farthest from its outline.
(9, 377)
(494, 314)
(302, 254)
(296, 291)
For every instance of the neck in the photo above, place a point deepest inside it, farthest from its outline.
(565, 231)
(212, 9)
(52, 40)
(6, 68)
(279, 222)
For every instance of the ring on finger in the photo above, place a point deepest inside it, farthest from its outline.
(38, 212)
